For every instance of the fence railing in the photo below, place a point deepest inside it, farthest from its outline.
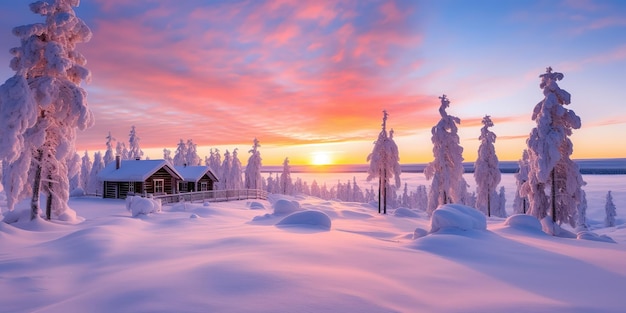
(213, 196)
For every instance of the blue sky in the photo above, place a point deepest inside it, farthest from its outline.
(311, 77)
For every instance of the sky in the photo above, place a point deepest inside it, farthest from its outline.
(310, 79)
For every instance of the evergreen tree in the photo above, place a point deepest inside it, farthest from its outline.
(235, 171)
(253, 168)
(167, 156)
(95, 185)
(192, 157)
(134, 152)
(43, 105)
(74, 171)
(581, 223)
(226, 182)
(180, 157)
(121, 150)
(108, 155)
(85, 170)
(216, 163)
(384, 165)
(520, 203)
(549, 150)
(486, 171)
(286, 184)
(446, 170)
(610, 209)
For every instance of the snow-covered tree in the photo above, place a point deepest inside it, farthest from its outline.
(253, 168)
(74, 171)
(316, 191)
(235, 171)
(43, 104)
(180, 157)
(192, 158)
(286, 184)
(167, 155)
(520, 203)
(549, 150)
(446, 170)
(500, 209)
(121, 150)
(215, 163)
(581, 223)
(226, 180)
(609, 207)
(384, 165)
(85, 169)
(134, 152)
(95, 185)
(486, 170)
(109, 155)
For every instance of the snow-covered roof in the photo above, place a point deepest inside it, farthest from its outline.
(135, 170)
(195, 173)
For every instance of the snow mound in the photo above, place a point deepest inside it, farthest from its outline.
(523, 222)
(138, 205)
(419, 233)
(457, 216)
(553, 229)
(307, 218)
(404, 212)
(194, 216)
(587, 235)
(284, 207)
(256, 206)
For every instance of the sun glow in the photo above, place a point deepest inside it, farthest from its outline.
(321, 158)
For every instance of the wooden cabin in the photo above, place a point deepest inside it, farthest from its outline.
(196, 178)
(129, 177)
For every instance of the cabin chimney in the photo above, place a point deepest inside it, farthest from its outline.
(118, 162)
(137, 158)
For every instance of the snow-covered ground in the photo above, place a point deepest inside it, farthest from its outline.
(233, 257)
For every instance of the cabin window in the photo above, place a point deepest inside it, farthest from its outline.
(203, 186)
(182, 186)
(159, 186)
(131, 187)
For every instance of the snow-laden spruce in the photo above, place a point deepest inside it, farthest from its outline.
(520, 203)
(108, 155)
(235, 172)
(95, 184)
(253, 168)
(446, 170)
(549, 150)
(192, 158)
(385, 165)
(286, 183)
(134, 152)
(610, 210)
(42, 105)
(487, 172)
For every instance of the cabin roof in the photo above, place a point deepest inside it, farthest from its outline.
(195, 173)
(135, 170)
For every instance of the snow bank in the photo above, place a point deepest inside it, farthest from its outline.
(284, 207)
(524, 222)
(311, 218)
(254, 205)
(457, 216)
(553, 229)
(138, 205)
(587, 235)
(405, 212)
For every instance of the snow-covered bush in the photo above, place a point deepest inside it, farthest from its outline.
(284, 207)
(309, 218)
(457, 216)
(138, 205)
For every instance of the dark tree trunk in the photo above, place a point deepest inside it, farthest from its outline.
(380, 190)
(553, 196)
(34, 202)
(49, 199)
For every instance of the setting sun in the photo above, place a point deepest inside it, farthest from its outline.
(321, 158)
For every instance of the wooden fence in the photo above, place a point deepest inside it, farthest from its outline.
(213, 196)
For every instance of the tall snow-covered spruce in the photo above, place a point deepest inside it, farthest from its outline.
(384, 165)
(446, 170)
(487, 172)
(549, 150)
(252, 175)
(42, 105)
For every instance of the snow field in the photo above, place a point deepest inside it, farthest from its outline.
(225, 260)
